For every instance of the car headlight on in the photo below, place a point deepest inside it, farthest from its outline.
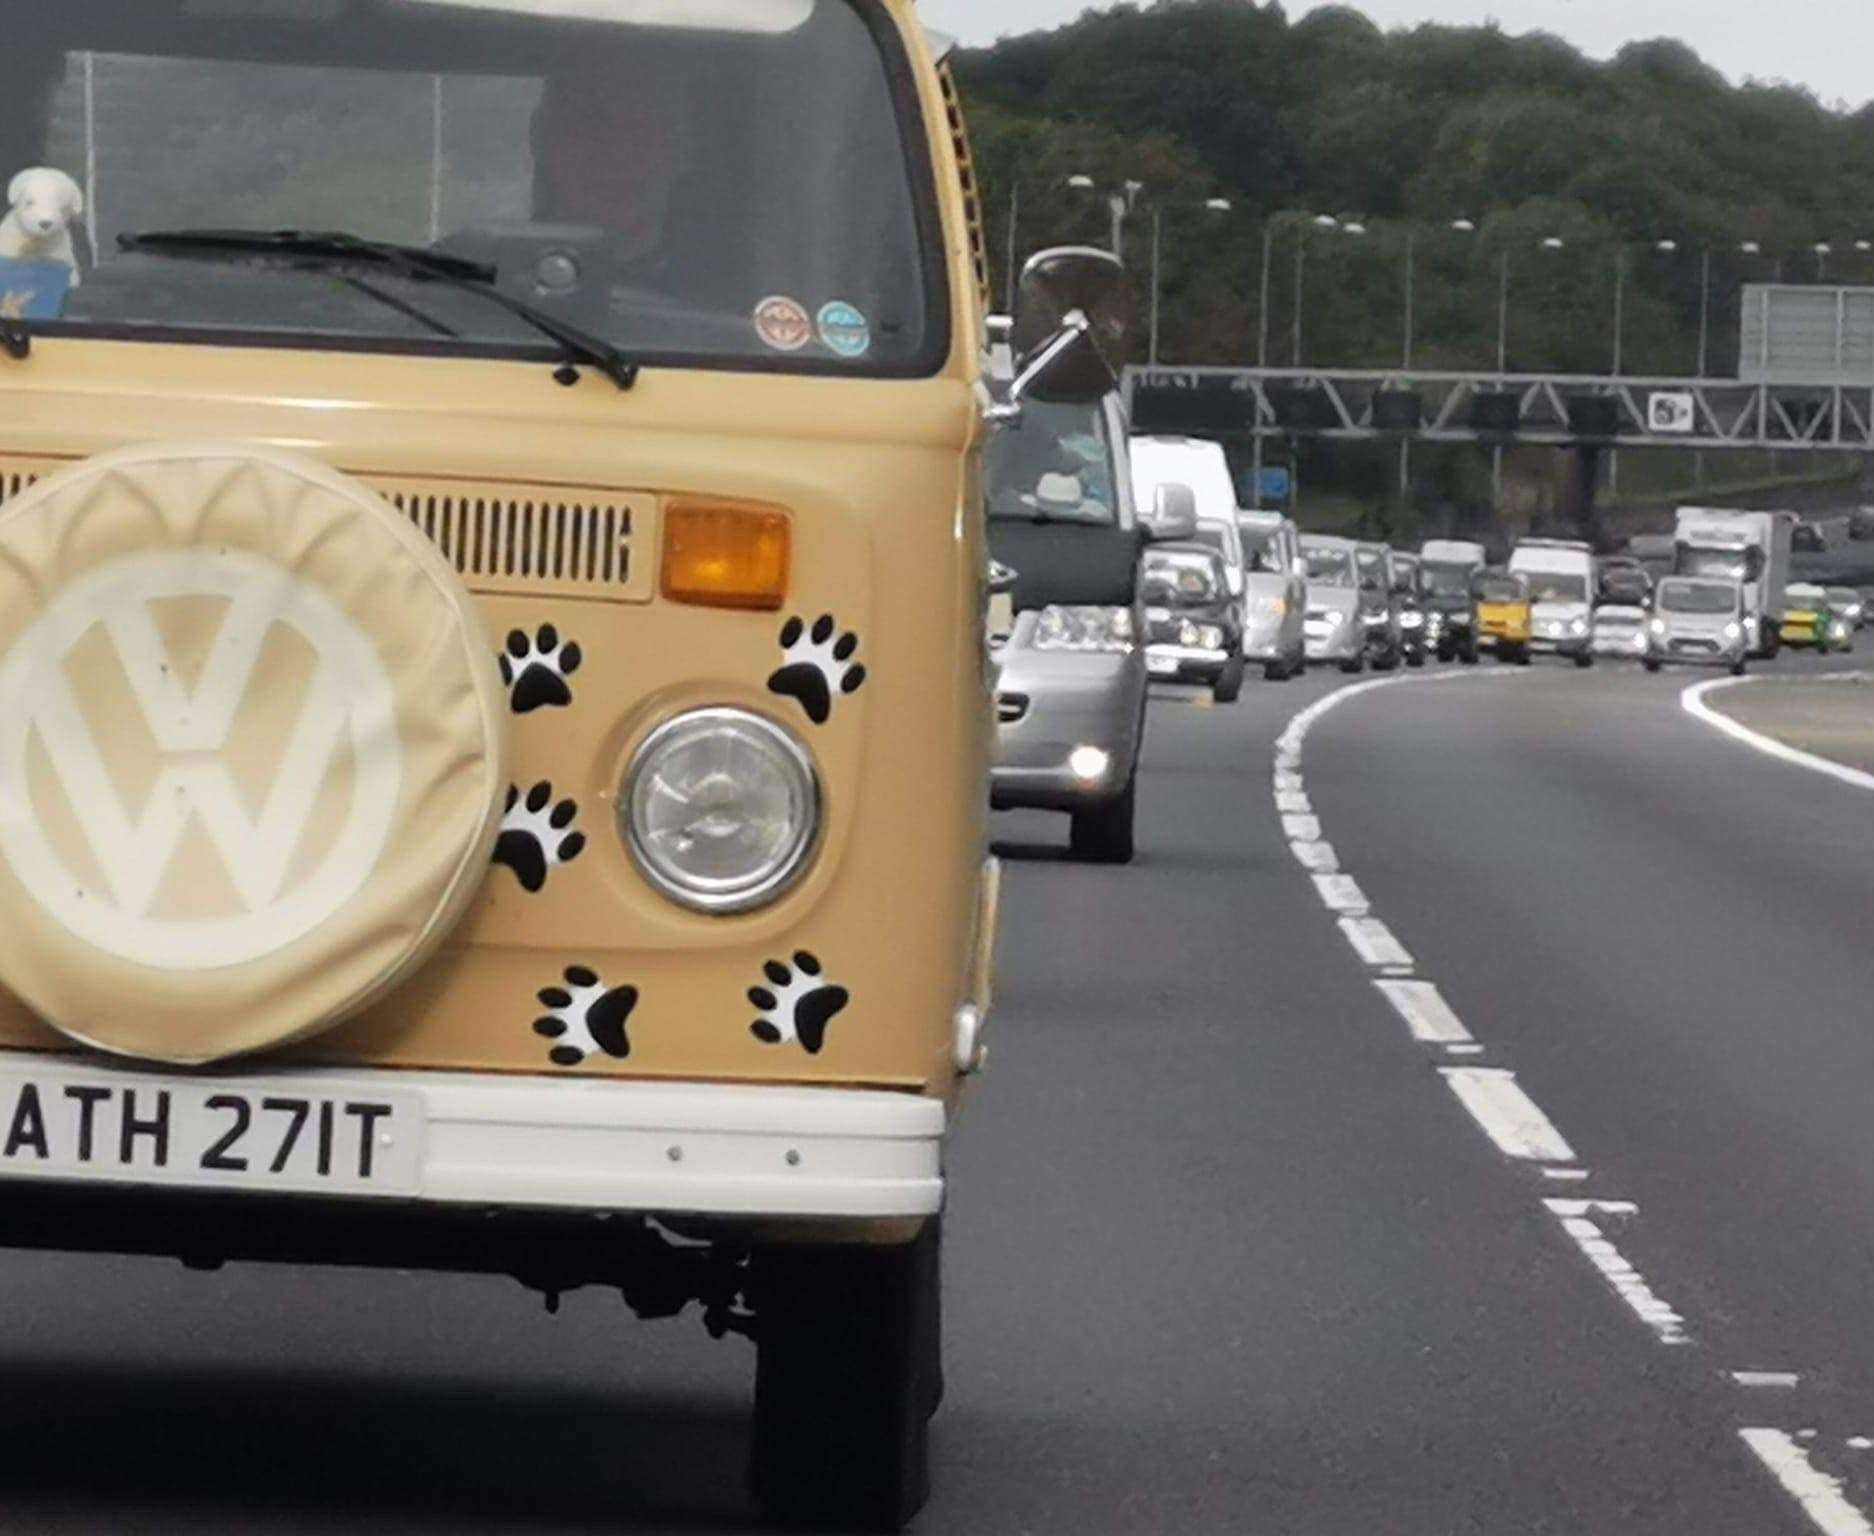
(1657, 626)
(1188, 633)
(1579, 626)
(1734, 631)
(721, 810)
(1062, 628)
(1411, 620)
(1210, 637)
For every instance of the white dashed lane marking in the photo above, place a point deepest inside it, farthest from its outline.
(1425, 1011)
(1509, 1117)
(1819, 1494)
(1341, 893)
(1316, 856)
(1373, 942)
(1577, 1219)
(1303, 829)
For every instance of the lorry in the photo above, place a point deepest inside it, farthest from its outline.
(1561, 588)
(1751, 548)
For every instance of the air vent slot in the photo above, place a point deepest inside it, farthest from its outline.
(1011, 707)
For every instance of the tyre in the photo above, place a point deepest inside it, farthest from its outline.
(1584, 659)
(1523, 657)
(1650, 664)
(1446, 652)
(848, 1372)
(1275, 671)
(1470, 654)
(1103, 835)
(1229, 683)
(1353, 665)
(1385, 661)
(1416, 659)
(1739, 667)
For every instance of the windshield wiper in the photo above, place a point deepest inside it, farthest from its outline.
(332, 248)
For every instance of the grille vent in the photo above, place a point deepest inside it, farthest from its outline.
(502, 537)
(1011, 707)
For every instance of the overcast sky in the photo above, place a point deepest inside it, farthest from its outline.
(1827, 45)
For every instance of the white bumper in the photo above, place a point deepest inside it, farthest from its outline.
(595, 1144)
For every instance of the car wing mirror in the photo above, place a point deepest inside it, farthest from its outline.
(1002, 578)
(1173, 514)
(1070, 330)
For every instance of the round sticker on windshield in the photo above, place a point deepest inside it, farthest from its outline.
(783, 324)
(844, 330)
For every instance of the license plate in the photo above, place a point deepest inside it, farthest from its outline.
(234, 1132)
(1162, 666)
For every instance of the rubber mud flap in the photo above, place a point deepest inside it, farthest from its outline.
(253, 750)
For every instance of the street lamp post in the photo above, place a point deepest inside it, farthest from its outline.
(1119, 202)
(1209, 205)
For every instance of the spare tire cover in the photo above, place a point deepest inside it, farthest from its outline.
(252, 749)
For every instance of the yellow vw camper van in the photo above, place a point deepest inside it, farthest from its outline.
(493, 709)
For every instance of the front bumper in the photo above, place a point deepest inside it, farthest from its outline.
(1343, 642)
(1049, 713)
(1551, 644)
(1692, 653)
(1184, 663)
(651, 1148)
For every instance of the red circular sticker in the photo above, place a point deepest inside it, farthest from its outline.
(783, 324)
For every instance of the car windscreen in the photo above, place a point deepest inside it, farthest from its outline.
(1052, 464)
(1328, 567)
(1445, 580)
(1500, 589)
(722, 191)
(1557, 587)
(1170, 576)
(1697, 597)
(1259, 549)
(1720, 564)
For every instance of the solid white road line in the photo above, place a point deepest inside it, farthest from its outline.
(1373, 942)
(1509, 1117)
(1425, 1011)
(1316, 856)
(1819, 1494)
(1627, 1281)
(1340, 893)
(1693, 702)
(1765, 1378)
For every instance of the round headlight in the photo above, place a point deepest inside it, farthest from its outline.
(721, 809)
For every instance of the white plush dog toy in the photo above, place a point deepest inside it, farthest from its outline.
(46, 203)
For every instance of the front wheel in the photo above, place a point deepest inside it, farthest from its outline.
(1739, 667)
(1584, 659)
(848, 1372)
(1353, 665)
(1103, 835)
(1651, 665)
(1229, 682)
(1470, 654)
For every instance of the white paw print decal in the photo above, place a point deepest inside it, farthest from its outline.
(537, 667)
(537, 836)
(816, 665)
(585, 1016)
(797, 1004)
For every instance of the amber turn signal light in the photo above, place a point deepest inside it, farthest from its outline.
(721, 555)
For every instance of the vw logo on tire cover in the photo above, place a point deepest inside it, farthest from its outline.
(347, 710)
(253, 750)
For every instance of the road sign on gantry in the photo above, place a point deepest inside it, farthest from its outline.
(1672, 411)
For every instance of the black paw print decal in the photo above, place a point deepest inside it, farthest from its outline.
(536, 669)
(797, 1004)
(814, 666)
(537, 836)
(586, 1016)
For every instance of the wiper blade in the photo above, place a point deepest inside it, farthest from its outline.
(325, 248)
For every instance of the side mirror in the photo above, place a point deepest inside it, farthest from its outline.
(1173, 515)
(1070, 329)
(1002, 578)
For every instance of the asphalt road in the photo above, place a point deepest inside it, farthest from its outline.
(1227, 1253)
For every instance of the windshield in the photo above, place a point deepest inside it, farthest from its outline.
(1329, 567)
(1052, 464)
(1697, 597)
(1373, 564)
(1720, 564)
(1445, 580)
(1259, 550)
(1557, 587)
(729, 194)
(1167, 576)
(1500, 589)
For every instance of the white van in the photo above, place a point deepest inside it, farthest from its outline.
(1561, 585)
(1193, 461)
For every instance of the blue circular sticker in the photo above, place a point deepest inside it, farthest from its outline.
(844, 329)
